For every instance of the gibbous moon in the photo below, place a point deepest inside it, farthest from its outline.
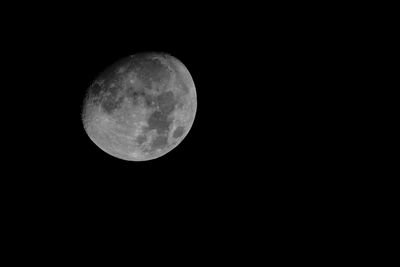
(141, 107)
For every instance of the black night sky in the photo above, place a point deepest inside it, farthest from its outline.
(251, 133)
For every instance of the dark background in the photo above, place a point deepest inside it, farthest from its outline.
(233, 65)
(254, 70)
(259, 145)
(243, 63)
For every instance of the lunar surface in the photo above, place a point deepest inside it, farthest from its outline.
(141, 107)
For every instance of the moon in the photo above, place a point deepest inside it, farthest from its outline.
(140, 107)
